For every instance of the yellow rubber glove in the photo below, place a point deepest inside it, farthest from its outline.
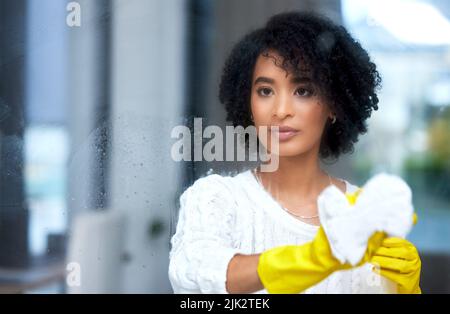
(294, 268)
(399, 260)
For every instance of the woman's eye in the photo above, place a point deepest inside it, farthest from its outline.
(303, 92)
(265, 92)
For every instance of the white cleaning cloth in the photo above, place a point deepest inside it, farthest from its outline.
(384, 204)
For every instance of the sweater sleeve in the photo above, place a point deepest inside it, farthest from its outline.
(202, 245)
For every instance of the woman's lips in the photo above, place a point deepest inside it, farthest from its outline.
(285, 133)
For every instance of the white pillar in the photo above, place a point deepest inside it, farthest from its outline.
(147, 101)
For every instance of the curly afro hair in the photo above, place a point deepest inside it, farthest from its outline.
(312, 45)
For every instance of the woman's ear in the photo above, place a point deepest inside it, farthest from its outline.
(332, 118)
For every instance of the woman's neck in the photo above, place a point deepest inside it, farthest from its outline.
(298, 178)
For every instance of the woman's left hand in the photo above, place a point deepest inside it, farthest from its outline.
(398, 260)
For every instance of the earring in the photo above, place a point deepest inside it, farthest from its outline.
(333, 121)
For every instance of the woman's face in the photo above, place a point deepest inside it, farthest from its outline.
(278, 99)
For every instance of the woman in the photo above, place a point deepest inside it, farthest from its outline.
(259, 231)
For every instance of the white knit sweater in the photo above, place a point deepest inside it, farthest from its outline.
(223, 215)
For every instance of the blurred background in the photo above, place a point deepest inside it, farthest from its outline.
(91, 89)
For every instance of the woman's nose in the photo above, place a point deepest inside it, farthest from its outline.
(283, 107)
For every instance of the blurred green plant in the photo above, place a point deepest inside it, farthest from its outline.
(429, 171)
(439, 141)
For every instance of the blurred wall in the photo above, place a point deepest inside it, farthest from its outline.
(14, 213)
